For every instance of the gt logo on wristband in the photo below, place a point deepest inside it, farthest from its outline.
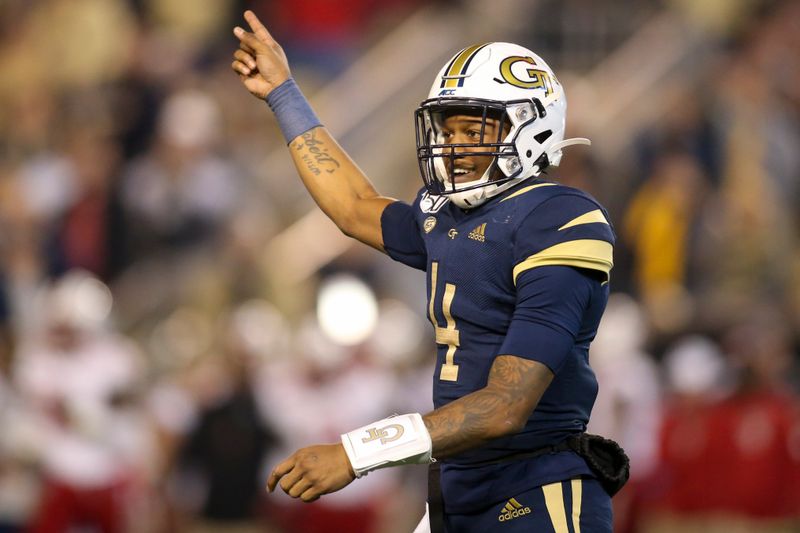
(396, 440)
(383, 433)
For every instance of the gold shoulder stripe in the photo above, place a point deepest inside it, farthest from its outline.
(591, 217)
(582, 253)
(526, 189)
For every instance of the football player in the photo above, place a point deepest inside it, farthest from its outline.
(517, 275)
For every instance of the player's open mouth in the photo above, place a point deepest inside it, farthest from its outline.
(461, 175)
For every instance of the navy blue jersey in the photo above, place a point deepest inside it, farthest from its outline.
(525, 274)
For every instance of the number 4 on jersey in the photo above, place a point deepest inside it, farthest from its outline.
(447, 335)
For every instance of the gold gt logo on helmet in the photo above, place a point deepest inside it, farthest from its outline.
(539, 79)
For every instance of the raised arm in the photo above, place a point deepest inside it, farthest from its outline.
(335, 182)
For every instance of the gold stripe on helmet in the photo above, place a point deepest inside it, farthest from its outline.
(456, 70)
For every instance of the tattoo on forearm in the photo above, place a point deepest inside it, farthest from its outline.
(315, 154)
(514, 389)
(310, 165)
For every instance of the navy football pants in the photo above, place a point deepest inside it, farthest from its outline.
(573, 506)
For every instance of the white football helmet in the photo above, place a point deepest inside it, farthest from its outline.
(500, 81)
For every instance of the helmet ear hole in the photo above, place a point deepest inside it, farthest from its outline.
(543, 136)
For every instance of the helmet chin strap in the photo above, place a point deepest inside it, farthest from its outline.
(470, 198)
(475, 197)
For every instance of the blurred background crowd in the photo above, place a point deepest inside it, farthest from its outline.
(175, 316)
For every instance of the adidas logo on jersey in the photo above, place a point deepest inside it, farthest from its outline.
(479, 233)
(513, 509)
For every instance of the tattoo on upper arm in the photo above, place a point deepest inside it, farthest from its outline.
(514, 388)
(508, 373)
(315, 154)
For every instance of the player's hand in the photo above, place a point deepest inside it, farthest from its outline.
(311, 472)
(259, 61)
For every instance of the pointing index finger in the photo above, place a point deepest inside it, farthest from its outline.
(259, 29)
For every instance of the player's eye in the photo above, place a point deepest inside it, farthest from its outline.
(474, 134)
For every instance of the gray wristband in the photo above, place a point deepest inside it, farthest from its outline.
(292, 110)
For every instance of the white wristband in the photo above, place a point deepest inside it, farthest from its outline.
(397, 440)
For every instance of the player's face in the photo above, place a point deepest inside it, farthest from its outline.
(466, 129)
